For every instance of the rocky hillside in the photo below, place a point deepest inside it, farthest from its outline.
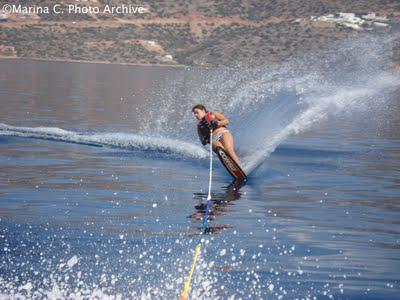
(200, 32)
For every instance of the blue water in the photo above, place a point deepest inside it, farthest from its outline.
(102, 183)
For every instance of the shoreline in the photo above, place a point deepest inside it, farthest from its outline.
(392, 65)
(90, 62)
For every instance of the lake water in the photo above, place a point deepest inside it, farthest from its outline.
(102, 181)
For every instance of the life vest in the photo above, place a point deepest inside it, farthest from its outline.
(204, 126)
(204, 129)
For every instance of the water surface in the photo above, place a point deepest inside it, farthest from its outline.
(102, 177)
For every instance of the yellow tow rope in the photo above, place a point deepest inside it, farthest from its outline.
(197, 249)
(186, 288)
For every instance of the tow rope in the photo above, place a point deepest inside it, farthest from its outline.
(204, 226)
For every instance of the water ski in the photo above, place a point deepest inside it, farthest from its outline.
(232, 167)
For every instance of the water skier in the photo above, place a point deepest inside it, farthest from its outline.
(216, 121)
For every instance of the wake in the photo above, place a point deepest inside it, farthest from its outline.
(127, 141)
(314, 109)
(268, 105)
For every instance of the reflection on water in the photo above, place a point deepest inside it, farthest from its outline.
(219, 206)
(319, 218)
